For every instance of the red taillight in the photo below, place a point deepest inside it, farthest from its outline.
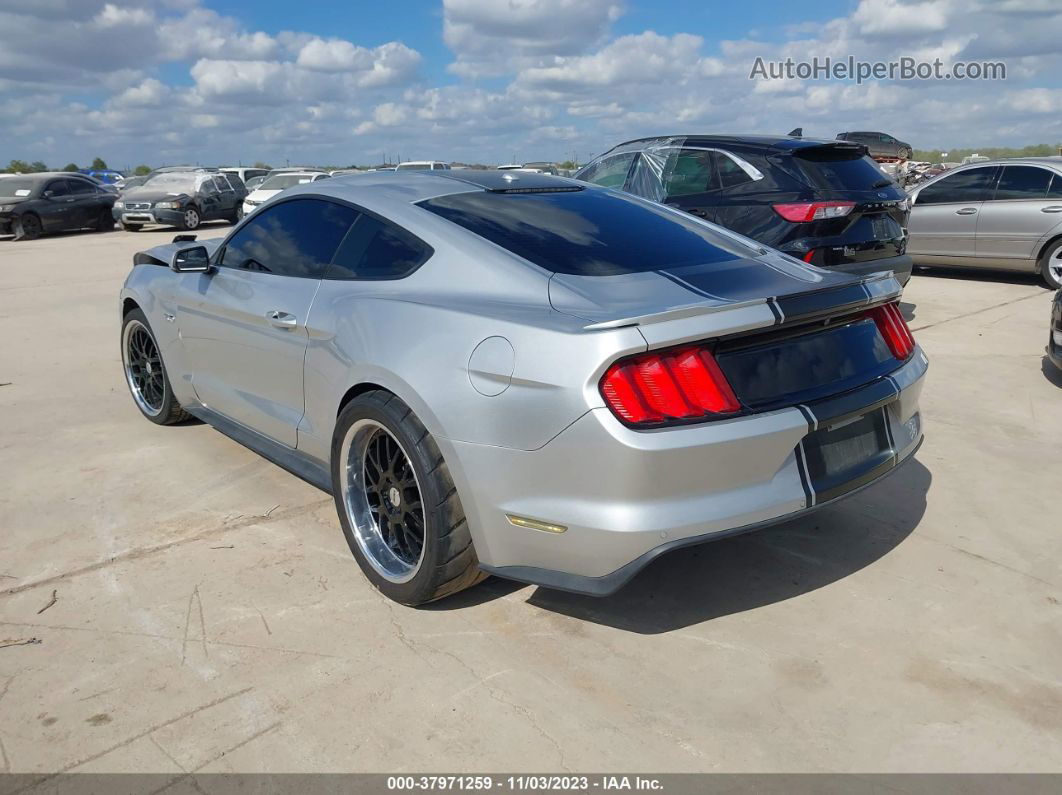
(893, 329)
(813, 211)
(674, 384)
(807, 257)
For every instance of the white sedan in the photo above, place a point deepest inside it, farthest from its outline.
(275, 184)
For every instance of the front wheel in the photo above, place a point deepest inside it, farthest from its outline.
(28, 227)
(906, 154)
(145, 373)
(399, 509)
(190, 218)
(1051, 265)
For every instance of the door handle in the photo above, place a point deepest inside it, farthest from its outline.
(1054, 208)
(966, 211)
(284, 320)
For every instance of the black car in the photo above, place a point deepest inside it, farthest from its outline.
(182, 198)
(879, 144)
(1054, 339)
(36, 204)
(824, 202)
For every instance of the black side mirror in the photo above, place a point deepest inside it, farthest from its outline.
(191, 259)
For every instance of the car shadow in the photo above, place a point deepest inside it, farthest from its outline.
(1052, 373)
(981, 275)
(907, 309)
(697, 584)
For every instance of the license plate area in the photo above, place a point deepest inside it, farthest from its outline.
(843, 456)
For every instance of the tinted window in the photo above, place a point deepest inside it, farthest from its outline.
(829, 168)
(80, 186)
(610, 172)
(58, 187)
(1055, 191)
(1023, 182)
(973, 185)
(295, 238)
(689, 171)
(374, 249)
(586, 232)
(727, 172)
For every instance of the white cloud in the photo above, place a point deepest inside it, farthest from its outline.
(892, 17)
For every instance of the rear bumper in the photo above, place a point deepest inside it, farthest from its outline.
(900, 267)
(628, 496)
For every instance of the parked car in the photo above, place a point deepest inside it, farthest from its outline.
(105, 175)
(422, 165)
(523, 375)
(823, 202)
(276, 183)
(1004, 214)
(1054, 338)
(879, 144)
(35, 204)
(243, 173)
(181, 198)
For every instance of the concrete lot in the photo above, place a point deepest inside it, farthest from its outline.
(209, 616)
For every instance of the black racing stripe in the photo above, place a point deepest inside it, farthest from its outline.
(802, 469)
(692, 288)
(809, 416)
(803, 306)
(858, 401)
(778, 316)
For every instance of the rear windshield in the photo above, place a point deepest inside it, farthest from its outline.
(837, 169)
(587, 232)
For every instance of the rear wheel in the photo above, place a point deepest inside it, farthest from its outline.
(28, 227)
(399, 509)
(145, 373)
(1051, 265)
(105, 223)
(237, 214)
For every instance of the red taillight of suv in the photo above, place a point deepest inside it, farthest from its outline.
(893, 329)
(663, 386)
(813, 211)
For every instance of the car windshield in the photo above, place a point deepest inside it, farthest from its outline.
(587, 232)
(281, 181)
(16, 187)
(175, 182)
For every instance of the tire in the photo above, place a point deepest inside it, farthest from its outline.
(906, 154)
(1051, 265)
(105, 223)
(149, 383)
(377, 426)
(132, 227)
(191, 219)
(28, 227)
(237, 214)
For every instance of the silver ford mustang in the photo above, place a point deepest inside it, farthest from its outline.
(517, 374)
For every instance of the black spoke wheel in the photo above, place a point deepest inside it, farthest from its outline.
(145, 373)
(400, 513)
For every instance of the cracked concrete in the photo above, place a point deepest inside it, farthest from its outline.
(210, 617)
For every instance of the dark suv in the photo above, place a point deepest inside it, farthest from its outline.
(181, 197)
(824, 202)
(879, 144)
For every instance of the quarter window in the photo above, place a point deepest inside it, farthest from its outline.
(1023, 182)
(293, 238)
(973, 185)
(609, 172)
(1055, 191)
(375, 249)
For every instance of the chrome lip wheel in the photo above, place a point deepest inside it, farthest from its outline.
(143, 368)
(382, 499)
(1054, 266)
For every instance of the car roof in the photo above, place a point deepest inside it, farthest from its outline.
(749, 141)
(50, 175)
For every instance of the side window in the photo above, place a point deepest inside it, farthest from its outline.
(1023, 182)
(689, 171)
(1055, 191)
(728, 173)
(80, 187)
(58, 187)
(375, 249)
(973, 185)
(647, 179)
(294, 238)
(610, 172)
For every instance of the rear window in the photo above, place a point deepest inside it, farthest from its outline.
(837, 169)
(587, 232)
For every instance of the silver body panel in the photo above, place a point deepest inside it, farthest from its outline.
(1005, 234)
(501, 361)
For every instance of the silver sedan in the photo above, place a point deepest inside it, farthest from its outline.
(1003, 215)
(522, 375)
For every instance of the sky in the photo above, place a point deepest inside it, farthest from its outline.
(221, 82)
